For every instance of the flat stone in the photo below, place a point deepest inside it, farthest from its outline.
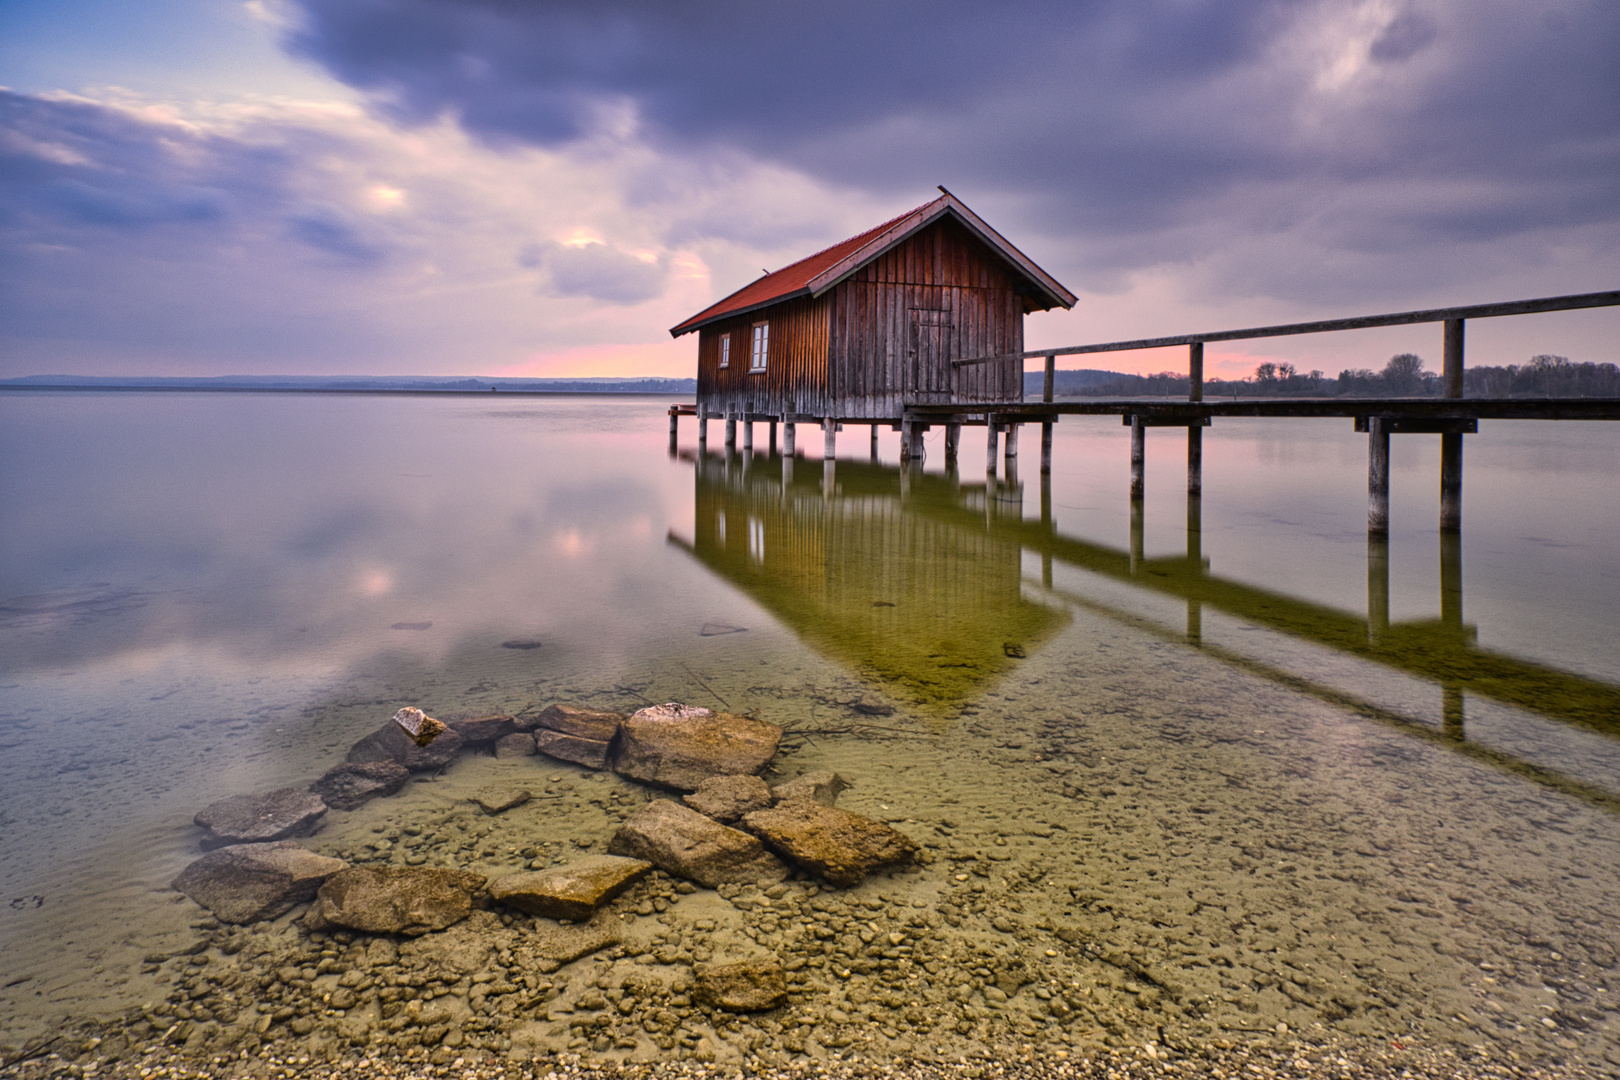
(499, 798)
(595, 724)
(573, 891)
(727, 798)
(823, 787)
(683, 842)
(558, 945)
(397, 899)
(564, 747)
(257, 819)
(743, 986)
(837, 845)
(391, 743)
(676, 746)
(476, 730)
(247, 883)
(348, 787)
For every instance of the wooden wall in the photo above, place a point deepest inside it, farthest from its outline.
(897, 323)
(795, 375)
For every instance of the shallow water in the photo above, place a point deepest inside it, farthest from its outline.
(1222, 789)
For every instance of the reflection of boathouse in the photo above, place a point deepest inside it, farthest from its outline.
(928, 608)
(869, 326)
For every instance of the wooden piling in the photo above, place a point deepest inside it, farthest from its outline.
(1048, 526)
(703, 430)
(748, 434)
(1195, 460)
(1451, 624)
(1451, 377)
(1195, 559)
(1138, 456)
(731, 431)
(1451, 453)
(1011, 452)
(1046, 447)
(905, 441)
(1049, 382)
(990, 434)
(874, 443)
(1195, 371)
(773, 437)
(788, 429)
(953, 440)
(1377, 476)
(829, 439)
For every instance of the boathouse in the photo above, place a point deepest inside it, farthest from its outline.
(869, 326)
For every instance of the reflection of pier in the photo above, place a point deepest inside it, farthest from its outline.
(931, 607)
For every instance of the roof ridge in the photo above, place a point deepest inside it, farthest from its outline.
(850, 239)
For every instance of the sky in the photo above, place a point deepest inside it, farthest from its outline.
(210, 187)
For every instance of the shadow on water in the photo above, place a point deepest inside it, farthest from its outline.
(930, 608)
(915, 581)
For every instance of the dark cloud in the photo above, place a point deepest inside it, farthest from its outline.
(1128, 133)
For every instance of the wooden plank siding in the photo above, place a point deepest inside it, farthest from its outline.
(795, 375)
(899, 321)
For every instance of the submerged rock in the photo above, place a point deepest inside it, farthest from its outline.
(743, 986)
(498, 798)
(349, 786)
(582, 736)
(391, 743)
(517, 744)
(676, 746)
(570, 892)
(257, 819)
(247, 883)
(823, 787)
(397, 899)
(727, 798)
(478, 730)
(838, 845)
(683, 842)
(421, 727)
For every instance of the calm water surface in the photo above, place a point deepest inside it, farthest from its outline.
(1247, 771)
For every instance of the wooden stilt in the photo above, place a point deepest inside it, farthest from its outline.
(788, 428)
(953, 440)
(1451, 468)
(874, 443)
(703, 430)
(1011, 452)
(829, 439)
(1195, 460)
(990, 435)
(748, 434)
(1138, 457)
(905, 441)
(1377, 476)
(1046, 448)
(773, 437)
(731, 431)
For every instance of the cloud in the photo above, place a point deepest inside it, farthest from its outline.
(1121, 135)
(597, 271)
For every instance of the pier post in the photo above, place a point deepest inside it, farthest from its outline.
(917, 433)
(1451, 374)
(874, 441)
(1138, 457)
(829, 439)
(1011, 452)
(1451, 453)
(1195, 371)
(1049, 383)
(905, 441)
(1046, 447)
(788, 428)
(990, 434)
(1377, 476)
(731, 431)
(1138, 541)
(748, 433)
(1195, 460)
(773, 436)
(1377, 588)
(953, 440)
(674, 426)
(703, 430)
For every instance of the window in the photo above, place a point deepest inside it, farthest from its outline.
(762, 346)
(725, 350)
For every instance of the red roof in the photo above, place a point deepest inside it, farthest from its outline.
(817, 273)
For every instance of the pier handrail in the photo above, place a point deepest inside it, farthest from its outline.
(1360, 322)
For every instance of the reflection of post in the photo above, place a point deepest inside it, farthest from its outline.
(1136, 534)
(1195, 562)
(788, 430)
(990, 434)
(1047, 527)
(1195, 460)
(1377, 476)
(1451, 462)
(828, 468)
(1377, 588)
(1138, 457)
(787, 473)
(1451, 623)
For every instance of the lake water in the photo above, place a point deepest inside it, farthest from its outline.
(1251, 781)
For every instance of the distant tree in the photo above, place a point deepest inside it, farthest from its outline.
(1266, 372)
(1404, 373)
(1286, 371)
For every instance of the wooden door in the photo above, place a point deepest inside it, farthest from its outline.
(928, 368)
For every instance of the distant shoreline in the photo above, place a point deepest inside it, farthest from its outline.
(381, 391)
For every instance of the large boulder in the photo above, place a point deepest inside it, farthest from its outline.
(677, 746)
(838, 845)
(258, 819)
(823, 787)
(570, 892)
(348, 787)
(397, 899)
(478, 730)
(582, 736)
(247, 883)
(686, 844)
(392, 743)
(727, 798)
(743, 986)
